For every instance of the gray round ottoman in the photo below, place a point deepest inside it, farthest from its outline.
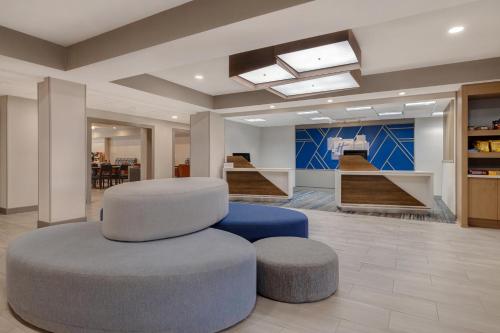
(296, 270)
(69, 278)
(162, 208)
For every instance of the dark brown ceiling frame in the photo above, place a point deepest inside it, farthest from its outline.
(309, 43)
(356, 75)
(252, 60)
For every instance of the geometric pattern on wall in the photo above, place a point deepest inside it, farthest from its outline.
(391, 146)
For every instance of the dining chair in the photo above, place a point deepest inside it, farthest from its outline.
(106, 174)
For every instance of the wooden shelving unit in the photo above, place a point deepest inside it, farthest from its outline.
(478, 197)
(484, 155)
(484, 132)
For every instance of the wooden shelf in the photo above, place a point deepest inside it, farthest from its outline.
(484, 132)
(484, 155)
(483, 176)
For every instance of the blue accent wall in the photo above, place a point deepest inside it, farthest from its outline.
(391, 146)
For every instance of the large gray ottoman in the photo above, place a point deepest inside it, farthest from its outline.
(296, 270)
(69, 278)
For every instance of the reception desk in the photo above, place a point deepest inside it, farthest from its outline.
(265, 183)
(245, 181)
(360, 186)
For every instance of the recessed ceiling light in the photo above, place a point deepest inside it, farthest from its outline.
(437, 113)
(420, 103)
(330, 101)
(456, 30)
(199, 77)
(267, 74)
(402, 93)
(93, 127)
(114, 127)
(307, 112)
(175, 117)
(321, 118)
(272, 106)
(312, 86)
(397, 113)
(359, 108)
(255, 120)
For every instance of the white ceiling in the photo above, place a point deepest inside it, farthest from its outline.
(409, 42)
(423, 40)
(393, 34)
(341, 115)
(215, 77)
(108, 97)
(67, 22)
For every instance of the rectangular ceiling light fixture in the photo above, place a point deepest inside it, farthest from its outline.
(312, 86)
(320, 57)
(267, 74)
(426, 103)
(307, 112)
(331, 53)
(359, 108)
(255, 120)
(321, 118)
(257, 69)
(397, 113)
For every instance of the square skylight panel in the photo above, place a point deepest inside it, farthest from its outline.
(318, 85)
(326, 56)
(266, 74)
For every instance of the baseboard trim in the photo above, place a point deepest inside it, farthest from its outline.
(16, 210)
(43, 224)
(484, 223)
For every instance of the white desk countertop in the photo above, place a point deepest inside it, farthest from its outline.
(383, 172)
(260, 169)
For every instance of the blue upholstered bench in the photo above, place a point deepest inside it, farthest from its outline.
(254, 222)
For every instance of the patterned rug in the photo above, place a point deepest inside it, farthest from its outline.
(323, 199)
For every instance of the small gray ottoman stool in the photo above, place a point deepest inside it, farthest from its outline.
(296, 270)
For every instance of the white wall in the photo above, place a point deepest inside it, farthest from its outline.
(98, 145)
(3, 151)
(429, 148)
(242, 138)
(315, 178)
(19, 153)
(277, 147)
(125, 147)
(449, 186)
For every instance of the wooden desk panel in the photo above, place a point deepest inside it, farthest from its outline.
(375, 190)
(251, 183)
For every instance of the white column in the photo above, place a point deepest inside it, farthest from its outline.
(143, 134)
(62, 144)
(207, 144)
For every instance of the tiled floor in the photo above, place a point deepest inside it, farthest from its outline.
(395, 276)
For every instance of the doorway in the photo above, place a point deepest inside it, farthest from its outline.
(181, 153)
(118, 152)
